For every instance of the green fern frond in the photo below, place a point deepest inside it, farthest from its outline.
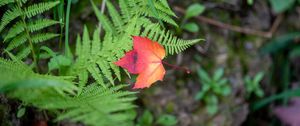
(18, 28)
(23, 28)
(96, 42)
(15, 75)
(106, 24)
(23, 53)
(40, 24)
(98, 106)
(125, 11)
(115, 16)
(142, 8)
(5, 2)
(9, 16)
(40, 37)
(163, 6)
(92, 58)
(95, 72)
(39, 8)
(17, 41)
(172, 44)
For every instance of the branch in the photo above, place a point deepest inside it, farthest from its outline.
(210, 21)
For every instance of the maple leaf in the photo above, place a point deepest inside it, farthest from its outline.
(146, 60)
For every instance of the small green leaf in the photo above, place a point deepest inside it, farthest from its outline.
(281, 5)
(194, 10)
(191, 27)
(259, 93)
(212, 109)
(21, 112)
(167, 120)
(226, 90)
(250, 2)
(211, 99)
(203, 76)
(199, 95)
(258, 77)
(218, 74)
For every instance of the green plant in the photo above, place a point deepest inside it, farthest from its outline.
(147, 119)
(86, 88)
(25, 28)
(192, 11)
(250, 2)
(281, 6)
(167, 120)
(252, 85)
(212, 88)
(280, 96)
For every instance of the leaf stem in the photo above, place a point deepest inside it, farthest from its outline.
(177, 67)
(34, 57)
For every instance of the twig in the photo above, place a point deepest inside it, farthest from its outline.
(210, 21)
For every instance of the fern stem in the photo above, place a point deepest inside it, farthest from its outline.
(60, 13)
(102, 11)
(67, 47)
(34, 56)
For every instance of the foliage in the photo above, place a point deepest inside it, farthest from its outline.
(250, 2)
(253, 86)
(191, 27)
(282, 51)
(70, 93)
(25, 28)
(192, 11)
(147, 119)
(57, 93)
(286, 94)
(281, 6)
(167, 120)
(102, 54)
(212, 88)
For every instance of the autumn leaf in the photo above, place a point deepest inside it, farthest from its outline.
(146, 60)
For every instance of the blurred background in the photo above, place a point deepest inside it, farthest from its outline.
(245, 73)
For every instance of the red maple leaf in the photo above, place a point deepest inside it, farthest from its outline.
(146, 60)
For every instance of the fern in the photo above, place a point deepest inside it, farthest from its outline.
(99, 106)
(16, 75)
(94, 106)
(93, 58)
(24, 27)
(97, 57)
(137, 10)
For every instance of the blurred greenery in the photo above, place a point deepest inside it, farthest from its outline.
(212, 88)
